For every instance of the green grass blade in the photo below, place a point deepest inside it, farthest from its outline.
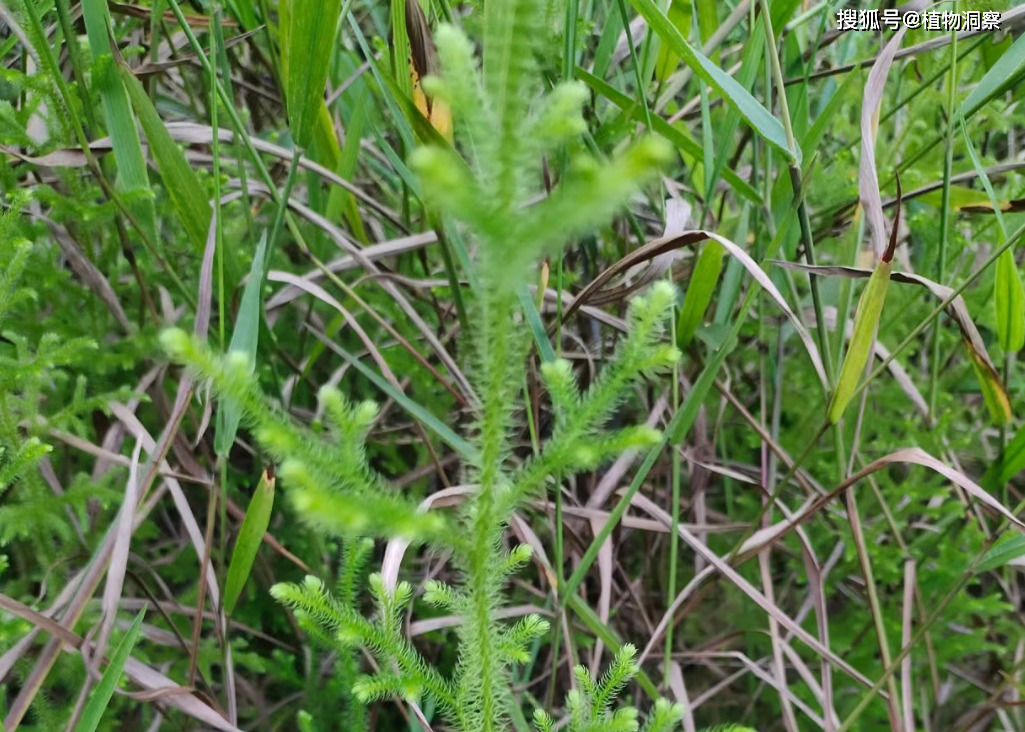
(1004, 75)
(244, 339)
(132, 178)
(756, 115)
(1010, 464)
(306, 56)
(1009, 301)
(666, 130)
(537, 328)
(183, 187)
(104, 690)
(250, 536)
(702, 286)
(866, 321)
(1003, 553)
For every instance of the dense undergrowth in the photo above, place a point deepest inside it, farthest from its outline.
(484, 372)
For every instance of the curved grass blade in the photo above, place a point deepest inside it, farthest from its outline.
(250, 536)
(993, 388)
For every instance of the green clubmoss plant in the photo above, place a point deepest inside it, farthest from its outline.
(490, 188)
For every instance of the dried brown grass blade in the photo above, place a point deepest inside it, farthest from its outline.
(868, 178)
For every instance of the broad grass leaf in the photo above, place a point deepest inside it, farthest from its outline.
(250, 536)
(100, 698)
(306, 56)
(1004, 75)
(183, 187)
(756, 115)
(244, 339)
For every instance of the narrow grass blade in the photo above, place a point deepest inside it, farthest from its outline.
(679, 14)
(1009, 300)
(1010, 464)
(244, 339)
(306, 55)
(1008, 295)
(866, 323)
(756, 115)
(132, 178)
(101, 695)
(537, 328)
(661, 127)
(183, 187)
(699, 292)
(1004, 552)
(1004, 75)
(250, 536)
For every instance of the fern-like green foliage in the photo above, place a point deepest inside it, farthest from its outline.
(32, 373)
(505, 127)
(590, 705)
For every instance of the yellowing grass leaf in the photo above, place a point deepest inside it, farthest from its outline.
(992, 387)
(306, 55)
(250, 536)
(180, 180)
